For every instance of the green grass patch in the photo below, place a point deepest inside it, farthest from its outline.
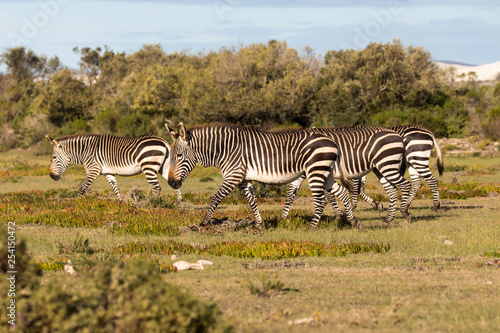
(263, 250)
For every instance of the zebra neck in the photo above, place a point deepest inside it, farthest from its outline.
(210, 145)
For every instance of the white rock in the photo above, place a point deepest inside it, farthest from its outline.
(173, 257)
(69, 269)
(205, 262)
(448, 242)
(301, 321)
(196, 266)
(182, 265)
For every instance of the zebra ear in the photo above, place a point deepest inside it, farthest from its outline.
(54, 142)
(173, 133)
(182, 131)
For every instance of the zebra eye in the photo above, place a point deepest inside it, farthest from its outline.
(179, 156)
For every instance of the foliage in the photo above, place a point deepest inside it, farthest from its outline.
(118, 297)
(268, 285)
(266, 85)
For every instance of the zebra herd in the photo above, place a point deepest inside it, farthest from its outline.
(246, 154)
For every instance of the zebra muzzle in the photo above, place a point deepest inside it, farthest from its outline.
(175, 184)
(54, 176)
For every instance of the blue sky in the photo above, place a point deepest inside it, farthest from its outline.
(463, 31)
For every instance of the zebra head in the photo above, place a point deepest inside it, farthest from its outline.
(182, 157)
(60, 159)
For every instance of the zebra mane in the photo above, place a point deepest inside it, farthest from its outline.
(81, 136)
(77, 136)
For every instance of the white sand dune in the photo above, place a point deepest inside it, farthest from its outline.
(488, 72)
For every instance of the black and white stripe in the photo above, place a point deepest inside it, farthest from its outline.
(418, 143)
(246, 154)
(361, 151)
(111, 155)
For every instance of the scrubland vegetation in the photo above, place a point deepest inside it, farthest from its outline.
(266, 85)
(97, 265)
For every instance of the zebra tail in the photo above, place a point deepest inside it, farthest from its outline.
(440, 163)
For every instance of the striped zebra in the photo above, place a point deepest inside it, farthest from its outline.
(418, 147)
(363, 150)
(246, 154)
(112, 155)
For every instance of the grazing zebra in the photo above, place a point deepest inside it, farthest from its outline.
(246, 154)
(112, 155)
(418, 147)
(361, 151)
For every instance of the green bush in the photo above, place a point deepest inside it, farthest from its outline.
(115, 296)
(119, 297)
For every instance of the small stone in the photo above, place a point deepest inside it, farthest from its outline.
(69, 269)
(173, 257)
(448, 242)
(301, 321)
(182, 265)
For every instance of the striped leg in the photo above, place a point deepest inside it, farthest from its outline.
(433, 184)
(93, 171)
(151, 174)
(252, 201)
(343, 194)
(335, 206)
(227, 186)
(392, 192)
(290, 196)
(365, 197)
(416, 171)
(416, 183)
(356, 187)
(178, 194)
(114, 185)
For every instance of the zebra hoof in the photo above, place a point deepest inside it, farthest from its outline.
(312, 227)
(388, 220)
(436, 207)
(379, 206)
(407, 217)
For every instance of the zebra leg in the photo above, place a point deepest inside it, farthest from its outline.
(365, 197)
(335, 206)
(152, 178)
(290, 196)
(392, 192)
(416, 183)
(178, 194)
(93, 171)
(227, 186)
(114, 185)
(356, 187)
(433, 184)
(252, 201)
(343, 194)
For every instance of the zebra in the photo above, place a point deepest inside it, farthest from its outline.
(245, 154)
(112, 155)
(418, 147)
(364, 150)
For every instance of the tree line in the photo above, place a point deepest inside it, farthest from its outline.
(265, 85)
